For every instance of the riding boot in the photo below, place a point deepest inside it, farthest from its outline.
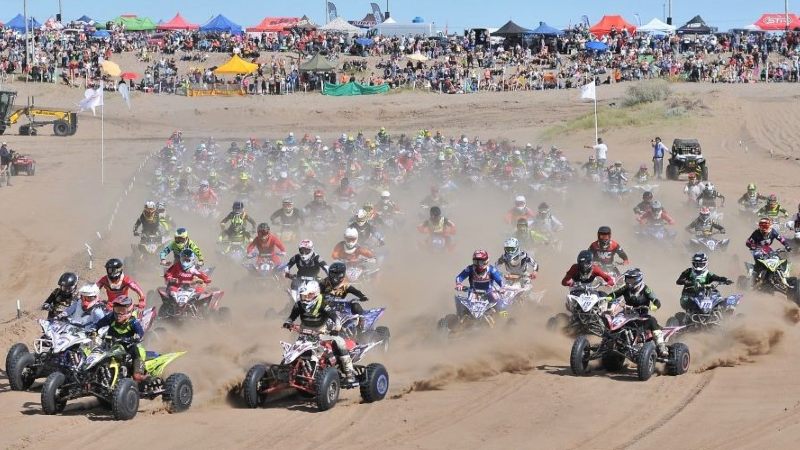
(139, 372)
(658, 336)
(346, 364)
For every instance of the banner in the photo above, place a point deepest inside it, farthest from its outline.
(777, 22)
(376, 11)
(339, 90)
(332, 11)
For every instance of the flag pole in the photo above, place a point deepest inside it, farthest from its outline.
(594, 81)
(102, 144)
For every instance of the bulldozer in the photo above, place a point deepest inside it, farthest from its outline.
(65, 123)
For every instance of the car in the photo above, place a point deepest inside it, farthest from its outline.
(686, 156)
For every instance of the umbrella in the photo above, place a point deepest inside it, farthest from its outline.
(366, 42)
(417, 57)
(111, 68)
(129, 75)
(596, 46)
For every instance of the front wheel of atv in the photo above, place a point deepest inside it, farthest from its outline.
(327, 388)
(50, 402)
(15, 350)
(178, 392)
(579, 356)
(679, 359)
(672, 172)
(21, 373)
(646, 361)
(375, 383)
(125, 400)
(253, 385)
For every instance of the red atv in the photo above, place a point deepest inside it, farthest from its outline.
(625, 338)
(310, 366)
(22, 163)
(187, 302)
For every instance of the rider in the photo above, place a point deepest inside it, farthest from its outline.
(205, 195)
(642, 175)
(656, 216)
(617, 176)
(180, 242)
(234, 224)
(520, 209)
(287, 216)
(308, 265)
(86, 311)
(164, 219)
(349, 250)
(148, 220)
(315, 313)
(517, 262)
(604, 249)
(365, 227)
(772, 209)
(709, 195)
(704, 224)
(693, 187)
(645, 205)
(639, 296)
(480, 275)
(762, 238)
(751, 197)
(695, 278)
(62, 296)
(584, 271)
(336, 286)
(545, 220)
(434, 198)
(185, 272)
(123, 325)
(117, 283)
(266, 243)
(386, 205)
(436, 224)
(319, 207)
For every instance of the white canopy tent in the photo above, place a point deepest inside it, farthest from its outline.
(656, 26)
(341, 26)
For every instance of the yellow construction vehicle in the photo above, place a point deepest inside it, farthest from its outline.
(65, 123)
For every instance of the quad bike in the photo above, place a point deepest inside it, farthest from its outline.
(104, 372)
(363, 269)
(517, 291)
(686, 157)
(361, 327)
(625, 338)
(148, 247)
(710, 309)
(586, 304)
(22, 163)
(770, 273)
(234, 249)
(186, 302)
(477, 310)
(656, 232)
(310, 366)
(262, 266)
(705, 242)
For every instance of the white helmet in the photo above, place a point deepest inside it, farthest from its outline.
(284, 174)
(511, 248)
(325, 148)
(520, 202)
(350, 240)
(89, 290)
(291, 134)
(151, 205)
(386, 194)
(308, 293)
(344, 136)
(306, 249)
(361, 216)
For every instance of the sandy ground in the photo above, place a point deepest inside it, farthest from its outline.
(500, 390)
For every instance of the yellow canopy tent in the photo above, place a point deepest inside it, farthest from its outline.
(236, 66)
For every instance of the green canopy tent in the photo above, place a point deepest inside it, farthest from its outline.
(317, 64)
(133, 23)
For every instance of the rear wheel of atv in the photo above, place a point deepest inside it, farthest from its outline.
(673, 322)
(375, 383)
(384, 335)
(327, 388)
(646, 361)
(613, 362)
(21, 373)
(178, 392)
(579, 357)
(794, 290)
(125, 400)
(50, 402)
(679, 359)
(672, 172)
(253, 385)
(15, 350)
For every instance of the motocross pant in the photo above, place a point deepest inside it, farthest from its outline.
(138, 354)
(686, 303)
(340, 350)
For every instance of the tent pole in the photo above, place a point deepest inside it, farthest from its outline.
(594, 81)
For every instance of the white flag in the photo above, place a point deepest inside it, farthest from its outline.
(589, 91)
(92, 98)
(125, 92)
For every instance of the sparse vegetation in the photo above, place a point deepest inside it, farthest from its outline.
(648, 92)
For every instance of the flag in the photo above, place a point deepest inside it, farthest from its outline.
(376, 11)
(125, 92)
(589, 91)
(332, 11)
(92, 98)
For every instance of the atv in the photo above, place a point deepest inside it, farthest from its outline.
(361, 327)
(585, 303)
(771, 273)
(686, 157)
(185, 302)
(476, 308)
(709, 309)
(706, 242)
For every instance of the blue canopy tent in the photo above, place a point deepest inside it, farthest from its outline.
(84, 19)
(546, 30)
(596, 46)
(101, 34)
(18, 23)
(366, 42)
(418, 19)
(221, 24)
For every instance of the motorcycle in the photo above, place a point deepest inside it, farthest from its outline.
(310, 366)
(710, 309)
(703, 241)
(104, 371)
(361, 327)
(585, 304)
(185, 302)
(625, 338)
(771, 273)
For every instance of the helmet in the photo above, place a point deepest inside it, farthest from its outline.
(238, 207)
(751, 187)
(244, 176)
(288, 205)
(634, 279)
(114, 269)
(88, 294)
(765, 225)
(700, 263)
(643, 167)
(647, 196)
(181, 237)
(368, 207)
(522, 222)
(306, 249)
(604, 236)
(122, 307)
(188, 170)
(149, 206)
(519, 202)
(584, 260)
(544, 208)
(480, 261)
(772, 198)
(263, 229)
(709, 187)
(386, 194)
(336, 273)
(705, 213)
(657, 208)
(511, 248)
(187, 258)
(618, 164)
(692, 176)
(350, 239)
(291, 134)
(319, 193)
(309, 292)
(68, 282)
(435, 212)
(284, 175)
(361, 217)
(204, 185)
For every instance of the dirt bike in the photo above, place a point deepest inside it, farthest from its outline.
(104, 372)
(771, 273)
(185, 302)
(585, 304)
(477, 310)
(361, 327)
(310, 366)
(710, 309)
(705, 242)
(625, 338)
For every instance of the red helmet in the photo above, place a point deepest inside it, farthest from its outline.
(765, 224)
(480, 260)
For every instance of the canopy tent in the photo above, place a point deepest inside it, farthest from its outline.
(306, 24)
(656, 26)
(418, 19)
(339, 25)
(605, 25)
(777, 22)
(338, 90)
(752, 28)
(696, 26)
(510, 29)
(101, 34)
(596, 46)
(18, 23)
(546, 30)
(221, 24)
(274, 25)
(85, 19)
(317, 64)
(178, 23)
(363, 41)
(133, 23)
(236, 66)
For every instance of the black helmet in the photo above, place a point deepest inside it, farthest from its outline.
(68, 282)
(435, 211)
(634, 279)
(699, 262)
(647, 195)
(114, 269)
(604, 236)
(238, 206)
(544, 208)
(585, 260)
(336, 272)
(263, 229)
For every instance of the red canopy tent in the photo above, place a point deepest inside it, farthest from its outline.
(777, 22)
(607, 22)
(178, 23)
(274, 24)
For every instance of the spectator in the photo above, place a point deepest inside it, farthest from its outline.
(659, 150)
